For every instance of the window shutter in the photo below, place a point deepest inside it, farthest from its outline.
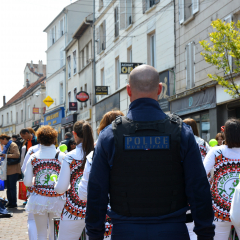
(192, 64)
(122, 14)
(188, 67)
(181, 11)
(195, 6)
(104, 34)
(228, 19)
(144, 5)
(98, 39)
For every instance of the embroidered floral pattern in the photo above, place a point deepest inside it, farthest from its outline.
(226, 178)
(203, 151)
(42, 170)
(74, 208)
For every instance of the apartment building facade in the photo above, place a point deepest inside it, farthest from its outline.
(79, 55)
(134, 32)
(196, 96)
(59, 35)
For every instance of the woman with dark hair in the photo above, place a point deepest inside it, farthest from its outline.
(13, 169)
(225, 162)
(72, 220)
(220, 138)
(44, 202)
(71, 145)
(203, 145)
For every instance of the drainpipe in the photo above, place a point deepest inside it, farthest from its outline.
(94, 55)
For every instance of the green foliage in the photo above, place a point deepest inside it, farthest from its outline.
(224, 42)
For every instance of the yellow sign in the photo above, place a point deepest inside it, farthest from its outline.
(48, 101)
(50, 117)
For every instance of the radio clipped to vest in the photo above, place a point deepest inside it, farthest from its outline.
(147, 179)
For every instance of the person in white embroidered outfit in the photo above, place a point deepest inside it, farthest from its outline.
(225, 162)
(72, 220)
(204, 149)
(32, 229)
(44, 202)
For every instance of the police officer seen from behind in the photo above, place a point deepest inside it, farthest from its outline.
(150, 166)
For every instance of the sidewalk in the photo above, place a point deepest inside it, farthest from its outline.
(14, 228)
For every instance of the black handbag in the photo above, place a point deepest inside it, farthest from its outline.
(12, 161)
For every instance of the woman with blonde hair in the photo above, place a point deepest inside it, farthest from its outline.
(44, 202)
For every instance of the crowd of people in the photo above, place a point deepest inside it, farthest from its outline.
(114, 187)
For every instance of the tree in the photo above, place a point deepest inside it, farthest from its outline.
(224, 53)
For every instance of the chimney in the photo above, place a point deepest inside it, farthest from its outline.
(4, 100)
(27, 83)
(31, 64)
(40, 67)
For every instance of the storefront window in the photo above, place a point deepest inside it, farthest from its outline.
(203, 124)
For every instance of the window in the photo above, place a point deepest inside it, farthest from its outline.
(129, 54)
(117, 73)
(102, 77)
(16, 117)
(61, 58)
(75, 94)
(69, 66)
(61, 28)
(61, 93)
(26, 76)
(147, 4)
(83, 59)
(116, 22)
(100, 4)
(11, 116)
(190, 68)
(69, 99)
(152, 50)
(74, 62)
(85, 89)
(53, 35)
(101, 37)
(29, 112)
(87, 54)
(126, 13)
(81, 105)
(21, 115)
(7, 118)
(2, 120)
(187, 8)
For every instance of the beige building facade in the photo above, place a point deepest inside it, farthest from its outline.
(196, 96)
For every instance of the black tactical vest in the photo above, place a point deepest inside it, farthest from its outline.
(147, 177)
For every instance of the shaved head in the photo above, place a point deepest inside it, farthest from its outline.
(144, 78)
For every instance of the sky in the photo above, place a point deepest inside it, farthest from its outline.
(22, 39)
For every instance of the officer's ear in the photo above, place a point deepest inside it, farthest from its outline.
(159, 88)
(129, 91)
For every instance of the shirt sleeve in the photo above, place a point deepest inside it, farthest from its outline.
(82, 189)
(23, 168)
(28, 174)
(197, 186)
(209, 160)
(98, 186)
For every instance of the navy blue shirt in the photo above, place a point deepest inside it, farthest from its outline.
(197, 186)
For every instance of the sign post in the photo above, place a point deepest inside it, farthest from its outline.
(126, 67)
(48, 101)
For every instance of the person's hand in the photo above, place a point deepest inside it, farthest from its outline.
(3, 155)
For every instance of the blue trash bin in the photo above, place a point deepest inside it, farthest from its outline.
(1, 185)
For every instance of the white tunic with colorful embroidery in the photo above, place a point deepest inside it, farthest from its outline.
(226, 164)
(40, 166)
(71, 173)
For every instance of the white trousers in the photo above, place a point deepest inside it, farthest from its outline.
(192, 234)
(43, 222)
(222, 230)
(71, 229)
(32, 229)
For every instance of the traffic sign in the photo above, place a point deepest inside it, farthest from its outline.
(48, 101)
